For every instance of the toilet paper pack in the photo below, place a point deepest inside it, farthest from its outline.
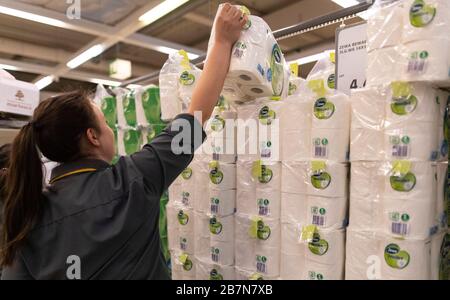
(129, 141)
(183, 266)
(368, 179)
(294, 177)
(222, 228)
(259, 231)
(440, 249)
(368, 107)
(245, 180)
(222, 203)
(367, 144)
(385, 65)
(327, 213)
(188, 80)
(327, 247)
(247, 131)
(261, 260)
(242, 274)
(222, 176)
(331, 112)
(210, 271)
(295, 145)
(296, 112)
(366, 213)
(330, 144)
(362, 260)
(328, 179)
(294, 208)
(222, 253)
(267, 175)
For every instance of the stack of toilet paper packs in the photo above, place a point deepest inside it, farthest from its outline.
(315, 124)
(399, 147)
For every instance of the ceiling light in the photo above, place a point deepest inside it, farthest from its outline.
(169, 51)
(105, 82)
(8, 67)
(310, 59)
(31, 17)
(85, 56)
(346, 3)
(44, 82)
(161, 10)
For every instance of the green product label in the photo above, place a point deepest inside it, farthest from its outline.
(263, 231)
(266, 174)
(323, 109)
(321, 180)
(215, 227)
(216, 176)
(187, 266)
(187, 78)
(266, 115)
(217, 123)
(331, 81)
(129, 109)
(183, 218)
(395, 257)
(215, 275)
(132, 141)
(403, 183)
(109, 109)
(187, 173)
(292, 88)
(277, 69)
(152, 105)
(315, 276)
(421, 14)
(318, 246)
(404, 105)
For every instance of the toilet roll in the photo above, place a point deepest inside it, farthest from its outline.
(408, 218)
(327, 213)
(366, 144)
(247, 131)
(292, 266)
(233, 93)
(222, 125)
(331, 144)
(246, 202)
(267, 175)
(175, 192)
(368, 179)
(415, 180)
(327, 179)
(293, 208)
(384, 65)
(203, 248)
(186, 220)
(441, 199)
(222, 253)
(427, 19)
(187, 82)
(222, 203)
(427, 60)
(183, 266)
(188, 185)
(186, 242)
(384, 26)
(290, 239)
(262, 232)
(366, 213)
(245, 179)
(296, 113)
(417, 105)
(405, 259)
(327, 247)
(326, 75)
(362, 256)
(443, 99)
(170, 103)
(172, 226)
(269, 113)
(331, 112)
(222, 228)
(269, 146)
(268, 203)
(295, 145)
(244, 254)
(222, 176)
(249, 275)
(176, 268)
(256, 90)
(317, 271)
(209, 271)
(267, 261)
(411, 140)
(368, 107)
(297, 86)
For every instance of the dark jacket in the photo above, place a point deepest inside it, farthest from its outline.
(107, 216)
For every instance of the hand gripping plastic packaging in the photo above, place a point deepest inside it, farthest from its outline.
(327, 179)
(210, 271)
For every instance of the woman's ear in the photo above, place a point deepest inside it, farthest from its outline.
(93, 137)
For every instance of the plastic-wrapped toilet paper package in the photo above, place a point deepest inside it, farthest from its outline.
(176, 268)
(427, 60)
(4, 74)
(175, 191)
(172, 226)
(443, 98)
(411, 140)
(292, 266)
(425, 19)
(222, 203)
(210, 271)
(441, 205)
(366, 213)
(366, 144)
(362, 260)
(327, 179)
(147, 105)
(294, 208)
(261, 231)
(324, 73)
(408, 218)
(222, 228)
(268, 203)
(244, 253)
(247, 131)
(187, 82)
(267, 175)
(222, 253)
(222, 125)
(297, 86)
(368, 107)
(330, 144)
(384, 25)
(411, 102)
(384, 65)
(327, 247)
(411, 180)
(296, 112)
(293, 145)
(331, 112)
(318, 271)
(294, 177)
(290, 239)
(266, 261)
(222, 176)
(244, 177)
(269, 146)
(224, 150)
(327, 213)
(184, 266)
(202, 236)
(249, 275)
(170, 104)
(368, 179)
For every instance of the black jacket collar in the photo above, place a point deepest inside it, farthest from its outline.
(77, 167)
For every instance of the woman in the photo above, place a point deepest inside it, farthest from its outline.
(97, 221)
(5, 153)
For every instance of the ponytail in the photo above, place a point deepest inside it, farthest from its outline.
(23, 192)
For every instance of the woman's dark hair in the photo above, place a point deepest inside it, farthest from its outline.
(57, 126)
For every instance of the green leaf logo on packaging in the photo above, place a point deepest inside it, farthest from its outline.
(323, 109)
(131, 140)
(266, 115)
(421, 14)
(109, 111)
(215, 227)
(152, 106)
(404, 105)
(215, 275)
(263, 231)
(216, 176)
(186, 174)
(129, 109)
(321, 180)
(331, 81)
(277, 68)
(217, 123)
(187, 78)
(266, 174)
(403, 182)
(256, 276)
(395, 257)
(292, 88)
(183, 218)
(318, 246)
(187, 266)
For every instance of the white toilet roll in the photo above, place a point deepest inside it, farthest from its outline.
(267, 261)
(366, 144)
(423, 20)
(405, 259)
(294, 177)
(268, 203)
(247, 131)
(297, 86)
(262, 232)
(183, 266)
(368, 107)
(176, 268)
(255, 90)
(327, 247)
(242, 274)
(384, 27)
(246, 202)
(201, 225)
(368, 179)
(269, 146)
(224, 150)
(318, 271)
(244, 178)
(327, 75)
(331, 112)
(327, 213)
(186, 220)
(233, 93)
(384, 65)
(222, 253)
(290, 239)
(328, 179)
(170, 103)
(186, 242)
(203, 248)
(222, 228)
(175, 192)
(296, 112)
(417, 183)
(187, 82)
(222, 176)
(419, 106)
(292, 266)
(331, 144)
(209, 271)
(172, 226)
(244, 254)
(295, 145)
(441, 205)
(427, 60)
(366, 213)
(411, 140)
(269, 176)
(362, 256)
(293, 208)
(222, 125)
(222, 203)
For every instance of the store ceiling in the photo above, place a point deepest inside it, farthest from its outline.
(38, 44)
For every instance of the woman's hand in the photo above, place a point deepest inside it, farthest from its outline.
(229, 22)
